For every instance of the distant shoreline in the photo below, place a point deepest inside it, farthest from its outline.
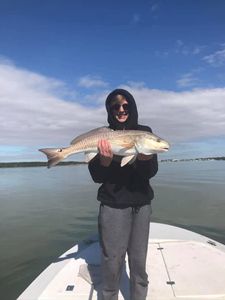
(37, 164)
(74, 163)
(193, 159)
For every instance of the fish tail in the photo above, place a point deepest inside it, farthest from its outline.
(54, 156)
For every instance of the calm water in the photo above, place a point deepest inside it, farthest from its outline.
(44, 212)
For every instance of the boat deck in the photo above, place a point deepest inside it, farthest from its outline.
(180, 264)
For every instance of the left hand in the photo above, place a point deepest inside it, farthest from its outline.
(105, 152)
(144, 157)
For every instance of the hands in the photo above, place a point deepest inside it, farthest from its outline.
(105, 152)
(144, 157)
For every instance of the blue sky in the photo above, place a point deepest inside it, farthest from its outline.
(60, 59)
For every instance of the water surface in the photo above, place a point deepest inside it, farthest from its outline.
(43, 212)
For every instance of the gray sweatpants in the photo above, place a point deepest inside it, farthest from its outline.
(121, 231)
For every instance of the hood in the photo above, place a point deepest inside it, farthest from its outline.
(132, 121)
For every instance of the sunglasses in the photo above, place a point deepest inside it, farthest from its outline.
(117, 106)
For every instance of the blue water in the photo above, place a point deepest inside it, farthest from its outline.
(43, 212)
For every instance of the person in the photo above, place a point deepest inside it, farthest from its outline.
(125, 203)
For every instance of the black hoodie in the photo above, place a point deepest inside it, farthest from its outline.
(132, 121)
(126, 186)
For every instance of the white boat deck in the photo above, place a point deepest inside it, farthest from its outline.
(181, 265)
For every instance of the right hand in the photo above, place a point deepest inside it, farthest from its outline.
(105, 152)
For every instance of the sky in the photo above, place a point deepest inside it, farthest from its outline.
(60, 59)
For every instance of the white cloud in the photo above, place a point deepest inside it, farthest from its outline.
(179, 43)
(184, 49)
(90, 82)
(198, 49)
(136, 18)
(187, 80)
(155, 7)
(181, 48)
(33, 116)
(182, 116)
(216, 59)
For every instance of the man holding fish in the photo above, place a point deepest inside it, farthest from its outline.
(122, 157)
(125, 196)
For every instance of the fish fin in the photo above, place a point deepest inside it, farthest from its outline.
(90, 133)
(133, 159)
(89, 156)
(54, 155)
(127, 159)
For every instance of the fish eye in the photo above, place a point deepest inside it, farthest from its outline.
(158, 140)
